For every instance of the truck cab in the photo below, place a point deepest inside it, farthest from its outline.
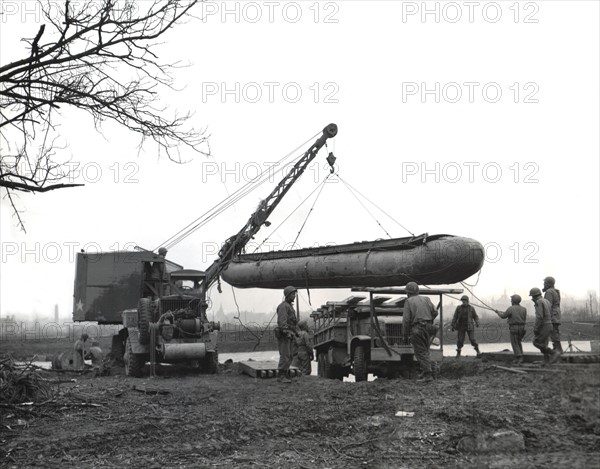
(160, 304)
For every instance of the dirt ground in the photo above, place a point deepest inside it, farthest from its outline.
(233, 420)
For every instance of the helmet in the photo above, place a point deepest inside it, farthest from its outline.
(515, 298)
(535, 291)
(412, 287)
(303, 324)
(288, 290)
(162, 251)
(464, 297)
(549, 280)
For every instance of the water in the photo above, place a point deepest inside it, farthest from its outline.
(449, 351)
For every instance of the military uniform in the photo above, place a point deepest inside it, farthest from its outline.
(305, 353)
(96, 355)
(286, 324)
(79, 348)
(463, 321)
(517, 318)
(543, 325)
(553, 296)
(417, 322)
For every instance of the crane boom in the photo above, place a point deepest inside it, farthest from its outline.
(236, 243)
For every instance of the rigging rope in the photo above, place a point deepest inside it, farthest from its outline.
(376, 206)
(226, 203)
(290, 214)
(311, 208)
(363, 206)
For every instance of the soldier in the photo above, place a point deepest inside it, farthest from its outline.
(553, 296)
(285, 333)
(305, 353)
(517, 317)
(79, 347)
(159, 272)
(463, 320)
(417, 321)
(95, 354)
(543, 326)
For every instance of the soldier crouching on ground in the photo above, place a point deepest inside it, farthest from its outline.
(463, 320)
(305, 352)
(79, 347)
(553, 296)
(286, 331)
(517, 317)
(417, 320)
(543, 326)
(95, 354)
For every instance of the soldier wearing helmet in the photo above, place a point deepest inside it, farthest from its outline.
(553, 296)
(79, 347)
(543, 326)
(417, 325)
(95, 354)
(464, 318)
(517, 317)
(158, 272)
(303, 359)
(286, 332)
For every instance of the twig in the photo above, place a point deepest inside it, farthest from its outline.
(359, 443)
(512, 370)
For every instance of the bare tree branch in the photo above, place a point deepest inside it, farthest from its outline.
(98, 56)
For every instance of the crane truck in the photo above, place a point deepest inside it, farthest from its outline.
(162, 306)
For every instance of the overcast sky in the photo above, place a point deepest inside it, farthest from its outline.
(474, 120)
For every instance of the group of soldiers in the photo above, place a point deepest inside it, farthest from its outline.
(94, 353)
(419, 314)
(418, 317)
(547, 322)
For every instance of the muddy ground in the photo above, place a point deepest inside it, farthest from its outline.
(233, 420)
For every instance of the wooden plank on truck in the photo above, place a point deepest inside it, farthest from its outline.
(378, 300)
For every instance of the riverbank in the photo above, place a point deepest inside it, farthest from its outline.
(182, 419)
(245, 341)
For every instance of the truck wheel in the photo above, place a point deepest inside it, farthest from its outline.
(212, 363)
(134, 362)
(360, 364)
(144, 320)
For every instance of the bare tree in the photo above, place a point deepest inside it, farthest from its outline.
(99, 56)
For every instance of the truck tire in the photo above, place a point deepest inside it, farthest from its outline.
(360, 364)
(144, 320)
(211, 363)
(134, 362)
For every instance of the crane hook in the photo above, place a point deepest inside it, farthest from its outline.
(331, 160)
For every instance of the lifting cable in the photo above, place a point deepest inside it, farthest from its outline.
(353, 189)
(260, 336)
(229, 201)
(253, 333)
(482, 304)
(363, 206)
(311, 208)
(292, 212)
